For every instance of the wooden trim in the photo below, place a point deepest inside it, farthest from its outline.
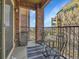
(9, 56)
(16, 15)
(31, 5)
(3, 31)
(46, 3)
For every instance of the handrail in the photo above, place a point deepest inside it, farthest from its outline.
(66, 39)
(54, 27)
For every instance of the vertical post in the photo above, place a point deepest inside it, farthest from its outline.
(28, 24)
(16, 11)
(78, 42)
(39, 23)
(23, 26)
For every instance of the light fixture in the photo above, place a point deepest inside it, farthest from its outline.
(16, 10)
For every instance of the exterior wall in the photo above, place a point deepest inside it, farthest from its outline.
(53, 22)
(21, 24)
(39, 23)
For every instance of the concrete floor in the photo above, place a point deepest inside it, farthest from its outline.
(19, 53)
(31, 51)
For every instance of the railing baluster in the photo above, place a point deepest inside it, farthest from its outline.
(78, 42)
(66, 40)
(58, 38)
(69, 40)
(63, 41)
(73, 40)
(52, 44)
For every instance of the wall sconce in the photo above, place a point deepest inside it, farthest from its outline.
(16, 10)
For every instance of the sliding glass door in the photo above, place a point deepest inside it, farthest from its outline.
(0, 29)
(8, 22)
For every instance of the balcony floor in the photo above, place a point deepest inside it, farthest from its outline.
(32, 51)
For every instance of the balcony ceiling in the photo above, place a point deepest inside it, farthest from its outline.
(32, 3)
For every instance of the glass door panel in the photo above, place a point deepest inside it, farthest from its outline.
(0, 29)
(8, 28)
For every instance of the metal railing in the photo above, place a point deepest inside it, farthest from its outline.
(65, 39)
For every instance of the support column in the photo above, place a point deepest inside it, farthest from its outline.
(16, 11)
(39, 23)
(24, 26)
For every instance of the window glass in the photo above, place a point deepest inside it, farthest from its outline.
(8, 28)
(0, 29)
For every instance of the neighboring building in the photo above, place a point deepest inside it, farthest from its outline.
(53, 22)
(69, 15)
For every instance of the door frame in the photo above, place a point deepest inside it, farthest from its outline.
(3, 31)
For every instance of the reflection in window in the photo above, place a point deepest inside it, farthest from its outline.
(0, 29)
(8, 29)
(7, 15)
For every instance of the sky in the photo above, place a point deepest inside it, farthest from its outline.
(50, 11)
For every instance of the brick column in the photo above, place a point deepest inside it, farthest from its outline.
(16, 11)
(39, 23)
(24, 26)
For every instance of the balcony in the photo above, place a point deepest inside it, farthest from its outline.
(22, 41)
(57, 43)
